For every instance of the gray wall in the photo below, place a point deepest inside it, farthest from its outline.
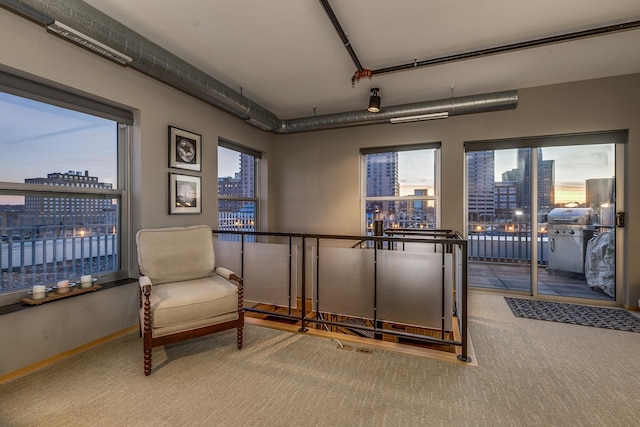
(317, 174)
(313, 181)
(31, 335)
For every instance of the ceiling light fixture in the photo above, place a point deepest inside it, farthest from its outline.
(374, 101)
(419, 118)
(89, 43)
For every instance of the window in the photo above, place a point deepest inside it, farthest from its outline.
(237, 194)
(61, 187)
(401, 187)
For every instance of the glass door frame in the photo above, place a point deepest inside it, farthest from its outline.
(617, 137)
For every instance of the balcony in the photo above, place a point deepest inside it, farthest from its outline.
(500, 259)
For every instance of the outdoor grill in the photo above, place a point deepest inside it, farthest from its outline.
(569, 230)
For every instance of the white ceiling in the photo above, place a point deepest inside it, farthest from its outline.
(287, 56)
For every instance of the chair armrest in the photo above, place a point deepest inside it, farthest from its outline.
(226, 273)
(230, 275)
(145, 303)
(144, 281)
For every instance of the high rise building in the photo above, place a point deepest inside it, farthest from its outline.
(481, 185)
(382, 174)
(546, 186)
(522, 177)
(229, 186)
(382, 180)
(505, 200)
(247, 175)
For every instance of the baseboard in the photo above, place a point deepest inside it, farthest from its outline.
(53, 359)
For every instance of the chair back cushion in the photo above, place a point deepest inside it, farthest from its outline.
(175, 254)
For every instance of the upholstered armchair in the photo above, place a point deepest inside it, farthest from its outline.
(183, 294)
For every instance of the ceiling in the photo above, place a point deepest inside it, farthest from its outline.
(287, 56)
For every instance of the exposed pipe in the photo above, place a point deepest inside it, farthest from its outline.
(148, 57)
(159, 63)
(341, 33)
(508, 48)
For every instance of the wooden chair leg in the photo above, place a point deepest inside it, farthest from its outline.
(239, 337)
(147, 361)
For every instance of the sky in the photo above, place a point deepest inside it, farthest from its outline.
(37, 139)
(228, 162)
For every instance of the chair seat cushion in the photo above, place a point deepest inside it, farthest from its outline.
(192, 300)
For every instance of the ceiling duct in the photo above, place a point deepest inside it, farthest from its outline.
(159, 63)
(458, 106)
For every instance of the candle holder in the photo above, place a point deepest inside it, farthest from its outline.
(72, 290)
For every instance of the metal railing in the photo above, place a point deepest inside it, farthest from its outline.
(448, 241)
(507, 248)
(45, 254)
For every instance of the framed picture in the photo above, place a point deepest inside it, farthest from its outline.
(184, 194)
(184, 149)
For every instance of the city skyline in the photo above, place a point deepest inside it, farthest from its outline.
(573, 166)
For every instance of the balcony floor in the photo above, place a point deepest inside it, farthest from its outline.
(516, 277)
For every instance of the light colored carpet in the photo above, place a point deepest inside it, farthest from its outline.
(530, 373)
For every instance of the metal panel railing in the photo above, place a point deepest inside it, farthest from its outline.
(314, 291)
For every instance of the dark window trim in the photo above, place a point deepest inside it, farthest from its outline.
(236, 147)
(583, 138)
(38, 90)
(403, 147)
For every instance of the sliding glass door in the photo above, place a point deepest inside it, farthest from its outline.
(577, 185)
(499, 190)
(542, 215)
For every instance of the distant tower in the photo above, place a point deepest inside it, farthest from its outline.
(382, 180)
(506, 199)
(522, 177)
(247, 175)
(481, 185)
(382, 174)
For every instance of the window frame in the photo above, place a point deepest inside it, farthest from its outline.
(257, 156)
(33, 88)
(435, 199)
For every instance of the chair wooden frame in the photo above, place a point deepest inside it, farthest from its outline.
(150, 341)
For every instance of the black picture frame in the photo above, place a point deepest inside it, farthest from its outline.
(185, 149)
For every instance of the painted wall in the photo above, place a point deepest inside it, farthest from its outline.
(28, 48)
(317, 175)
(39, 332)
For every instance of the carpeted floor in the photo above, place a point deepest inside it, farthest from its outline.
(577, 314)
(528, 374)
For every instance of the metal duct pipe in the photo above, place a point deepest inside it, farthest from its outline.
(506, 100)
(159, 63)
(148, 57)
